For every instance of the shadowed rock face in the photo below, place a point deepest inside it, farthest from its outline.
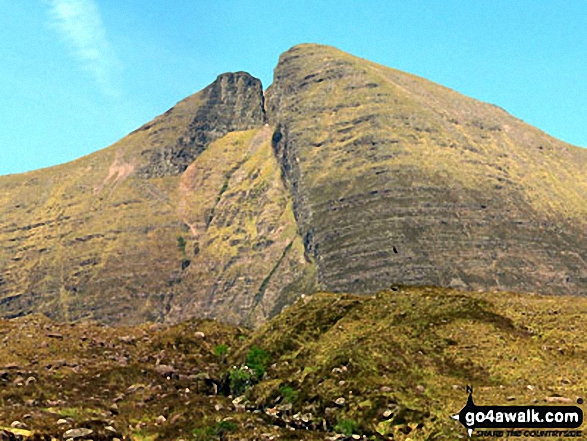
(233, 102)
(357, 178)
(398, 180)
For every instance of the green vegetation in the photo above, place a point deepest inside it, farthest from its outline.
(347, 427)
(379, 157)
(181, 244)
(223, 427)
(211, 433)
(257, 360)
(289, 394)
(391, 176)
(221, 350)
(243, 377)
(267, 279)
(116, 265)
(394, 365)
(224, 188)
(240, 379)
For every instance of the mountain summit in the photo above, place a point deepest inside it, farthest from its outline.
(344, 175)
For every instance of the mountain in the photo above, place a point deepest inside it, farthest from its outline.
(398, 180)
(186, 216)
(343, 175)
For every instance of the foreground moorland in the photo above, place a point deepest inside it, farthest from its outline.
(390, 366)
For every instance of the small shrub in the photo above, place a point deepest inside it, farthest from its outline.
(347, 427)
(240, 379)
(203, 434)
(224, 186)
(213, 432)
(181, 244)
(220, 350)
(289, 394)
(257, 360)
(223, 427)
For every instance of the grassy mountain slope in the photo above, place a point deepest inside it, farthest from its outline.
(148, 228)
(411, 351)
(397, 179)
(389, 366)
(248, 259)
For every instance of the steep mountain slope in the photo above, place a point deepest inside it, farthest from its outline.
(186, 216)
(345, 175)
(397, 179)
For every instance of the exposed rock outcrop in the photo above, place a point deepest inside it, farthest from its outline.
(233, 102)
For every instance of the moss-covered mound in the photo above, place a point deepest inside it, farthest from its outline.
(390, 366)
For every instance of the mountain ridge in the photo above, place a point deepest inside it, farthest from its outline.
(420, 131)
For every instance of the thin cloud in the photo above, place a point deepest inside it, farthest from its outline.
(80, 24)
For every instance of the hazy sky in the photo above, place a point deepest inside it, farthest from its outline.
(77, 75)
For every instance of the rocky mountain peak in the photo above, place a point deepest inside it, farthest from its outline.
(397, 179)
(234, 101)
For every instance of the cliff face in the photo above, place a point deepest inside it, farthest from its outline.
(398, 180)
(346, 175)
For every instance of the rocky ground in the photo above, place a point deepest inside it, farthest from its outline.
(390, 366)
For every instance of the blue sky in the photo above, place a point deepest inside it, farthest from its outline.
(77, 75)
